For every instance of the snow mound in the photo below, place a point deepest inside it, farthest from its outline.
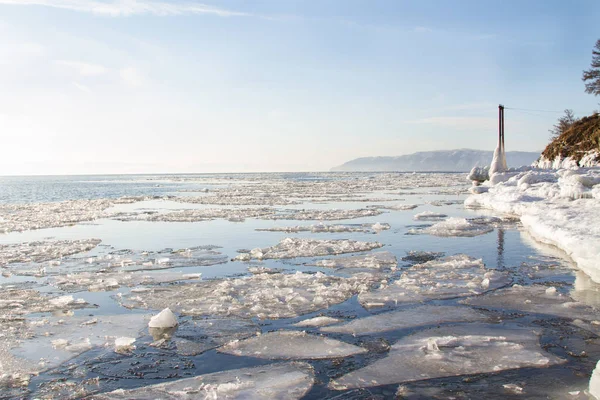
(261, 295)
(404, 319)
(291, 345)
(444, 278)
(276, 381)
(293, 247)
(451, 351)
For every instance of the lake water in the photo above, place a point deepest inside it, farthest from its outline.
(154, 245)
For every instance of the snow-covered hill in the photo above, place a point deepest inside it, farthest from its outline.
(443, 160)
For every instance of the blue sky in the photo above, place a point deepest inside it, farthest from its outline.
(118, 86)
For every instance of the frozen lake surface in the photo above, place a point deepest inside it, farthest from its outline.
(315, 285)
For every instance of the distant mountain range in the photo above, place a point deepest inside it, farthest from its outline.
(443, 160)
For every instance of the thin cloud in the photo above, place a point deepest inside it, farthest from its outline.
(82, 87)
(125, 8)
(83, 69)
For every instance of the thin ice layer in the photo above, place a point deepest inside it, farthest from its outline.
(295, 247)
(405, 319)
(448, 277)
(261, 295)
(291, 345)
(378, 260)
(535, 299)
(451, 351)
(276, 381)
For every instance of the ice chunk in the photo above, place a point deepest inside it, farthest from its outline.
(429, 216)
(291, 345)
(397, 207)
(324, 215)
(294, 247)
(479, 174)
(317, 321)
(275, 381)
(451, 351)
(404, 319)
(448, 277)
(535, 299)
(164, 319)
(43, 251)
(379, 260)
(124, 344)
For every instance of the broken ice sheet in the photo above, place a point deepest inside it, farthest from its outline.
(378, 260)
(193, 337)
(415, 256)
(295, 247)
(396, 207)
(292, 345)
(197, 215)
(410, 318)
(261, 295)
(275, 381)
(17, 301)
(39, 252)
(444, 278)
(326, 228)
(537, 299)
(451, 351)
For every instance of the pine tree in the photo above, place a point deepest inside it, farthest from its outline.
(563, 123)
(591, 77)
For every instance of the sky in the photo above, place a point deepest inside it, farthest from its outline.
(157, 86)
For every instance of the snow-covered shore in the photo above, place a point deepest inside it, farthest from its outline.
(561, 208)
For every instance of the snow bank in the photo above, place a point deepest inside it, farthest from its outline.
(275, 381)
(448, 277)
(451, 351)
(561, 208)
(292, 345)
(588, 160)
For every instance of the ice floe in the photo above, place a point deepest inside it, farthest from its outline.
(317, 321)
(325, 228)
(261, 295)
(535, 299)
(429, 216)
(291, 345)
(39, 252)
(275, 381)
(410, 318)
(457, 227)
(378, 260)
(448, 277)
(451, 351)
(323, 215)
(295, 247)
